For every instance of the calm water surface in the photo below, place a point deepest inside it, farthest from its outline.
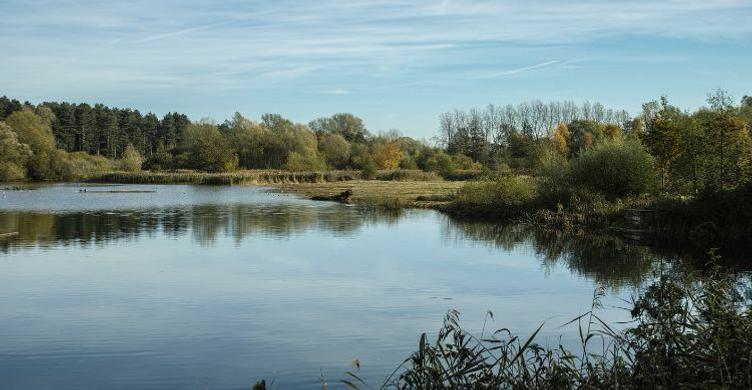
(217, 287)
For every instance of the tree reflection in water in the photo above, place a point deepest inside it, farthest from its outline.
(204, 222)
(605, 259)
(608, 260)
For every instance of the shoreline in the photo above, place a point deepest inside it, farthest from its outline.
(675, 223)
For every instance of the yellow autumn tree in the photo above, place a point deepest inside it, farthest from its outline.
(387, 155)
(561, 139)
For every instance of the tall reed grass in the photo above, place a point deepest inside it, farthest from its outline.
(688, 332)
(257, 177)
(228, 178)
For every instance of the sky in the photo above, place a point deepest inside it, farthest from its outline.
(398, 64)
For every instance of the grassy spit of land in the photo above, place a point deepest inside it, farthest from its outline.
(706, 219)
(391, 189)
(390, 194)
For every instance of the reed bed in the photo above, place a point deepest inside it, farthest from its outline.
(689, 332)
(258, 176)
(226, 178)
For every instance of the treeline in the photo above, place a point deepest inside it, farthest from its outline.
(708, 149)
(518, 136)
(28, 151)
(174, 142)
(338, 142)
(705, 149)
(101, 130)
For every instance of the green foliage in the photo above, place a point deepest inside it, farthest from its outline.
(708, 150)
(335, 150)
(360, 157)
(554, 178)
(208, 149)
(80, 166)
(34, 131)
(13, 155)
(407, 175)
(521, 151)
(436, 160)
(159, 160)
(614, 169)
(349, 126)
(298, 162)
(132, 160)
(504, 191)
(369, 171)
(721, 156)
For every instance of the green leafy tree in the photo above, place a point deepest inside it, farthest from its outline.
(665, 128)
(33, 130)
(725, 152)
(8, 106)
(208, 149)
(335, 150)
(247, 137)
(13, 155)
(349, 126)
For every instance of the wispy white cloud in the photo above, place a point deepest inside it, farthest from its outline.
(523, 69)
(374, 47)
(177, 33)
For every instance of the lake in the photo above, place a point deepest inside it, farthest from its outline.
(218, 287)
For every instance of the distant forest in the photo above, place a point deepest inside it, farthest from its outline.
(105, 131)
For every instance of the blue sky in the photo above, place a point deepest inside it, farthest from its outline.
(396, 64)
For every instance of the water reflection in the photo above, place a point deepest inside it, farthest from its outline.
(225, 285)
(608, 260)
(204, 222)
(605, 259)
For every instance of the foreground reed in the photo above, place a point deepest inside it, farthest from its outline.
(689, 332)
(684, 334)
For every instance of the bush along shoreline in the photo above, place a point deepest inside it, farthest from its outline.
(611, 187)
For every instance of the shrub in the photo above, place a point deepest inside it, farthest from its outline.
(504, 191)
(462, 175)
(297, 162)
(368, 172)
(161, 160)
(615, 169)
(132, 160)
(80, 165)
(554, 181)
(407, 175)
